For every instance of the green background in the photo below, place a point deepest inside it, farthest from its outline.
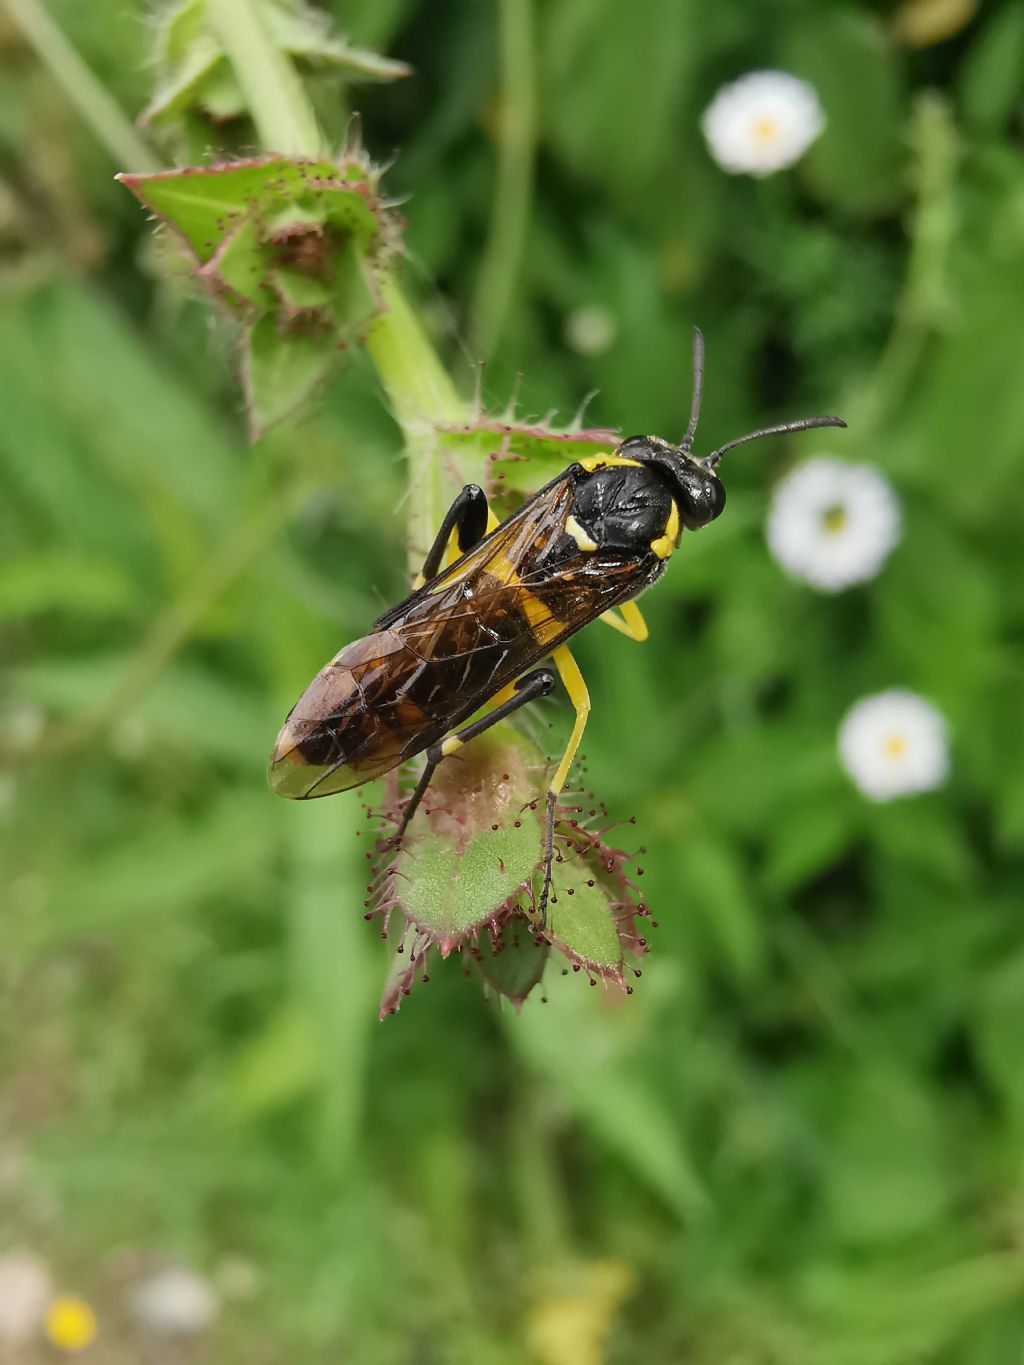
(800, 1141)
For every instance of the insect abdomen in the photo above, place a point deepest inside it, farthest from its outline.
(356, 720)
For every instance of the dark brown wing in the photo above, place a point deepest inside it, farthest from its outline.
(442, 653)
(510, 601)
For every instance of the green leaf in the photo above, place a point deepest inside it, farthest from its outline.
(522, 456)
(887, 1178)
(220, 95)
(179, 27)
(355, 298)
(581, 920)
(304, 32)
(336, 976)
(272, 1069)
(990, 75)
(922, 833)
(886, 1311)
(586, 1051)
(185, 51)
(808, 839)
(475, 842)
(85, 586)
(590, 125)
(294, 244)
(513, 965)
(844, 54)
(206, 203)
(299, 293)
(194, 71)
(187, 711)
(282, 370)
(168, 868)
(175, 92)
(454, 888)
(998, 1027)
(745, 779)
(711, 878)
(236, 270)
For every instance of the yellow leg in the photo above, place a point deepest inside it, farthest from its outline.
(631, 623)
(572, 680)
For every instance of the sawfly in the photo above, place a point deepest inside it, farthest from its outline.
(493, 601)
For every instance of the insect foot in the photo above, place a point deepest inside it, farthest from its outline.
(465, 878)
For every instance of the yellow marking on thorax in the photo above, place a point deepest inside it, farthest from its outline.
(669, 540)
(591, 463)
(579, 535)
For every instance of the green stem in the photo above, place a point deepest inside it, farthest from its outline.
(421, 393)
(503, 253)
(540, 1193)
(924, 302)
(101, 113)
(422, 396)
(283, 116)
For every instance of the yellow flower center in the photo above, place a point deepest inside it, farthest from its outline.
(834, 519)
(765, 129)
(894, 746)
(70, 1323)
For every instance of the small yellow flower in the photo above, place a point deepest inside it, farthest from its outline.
(569, 1323)
(919, 23)
(70, 1323)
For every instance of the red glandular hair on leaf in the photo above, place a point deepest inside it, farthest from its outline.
(466, 877)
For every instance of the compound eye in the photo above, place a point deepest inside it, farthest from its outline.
(715, 498)
(705, 499)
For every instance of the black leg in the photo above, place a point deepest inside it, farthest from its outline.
(536, 684)
(549, 858)
(467, 518)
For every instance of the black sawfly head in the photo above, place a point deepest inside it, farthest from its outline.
(699, 491)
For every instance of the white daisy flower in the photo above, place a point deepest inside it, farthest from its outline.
(832, 523)
(26, 1288)
(894, 744)
(590, 330)
(762, 123)
(174, 1301)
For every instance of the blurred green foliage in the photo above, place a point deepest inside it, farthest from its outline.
(800, 1142)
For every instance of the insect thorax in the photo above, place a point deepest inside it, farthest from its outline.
(623, 507)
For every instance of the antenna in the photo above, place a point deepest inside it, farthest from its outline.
(698, 388)
(802, 424)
